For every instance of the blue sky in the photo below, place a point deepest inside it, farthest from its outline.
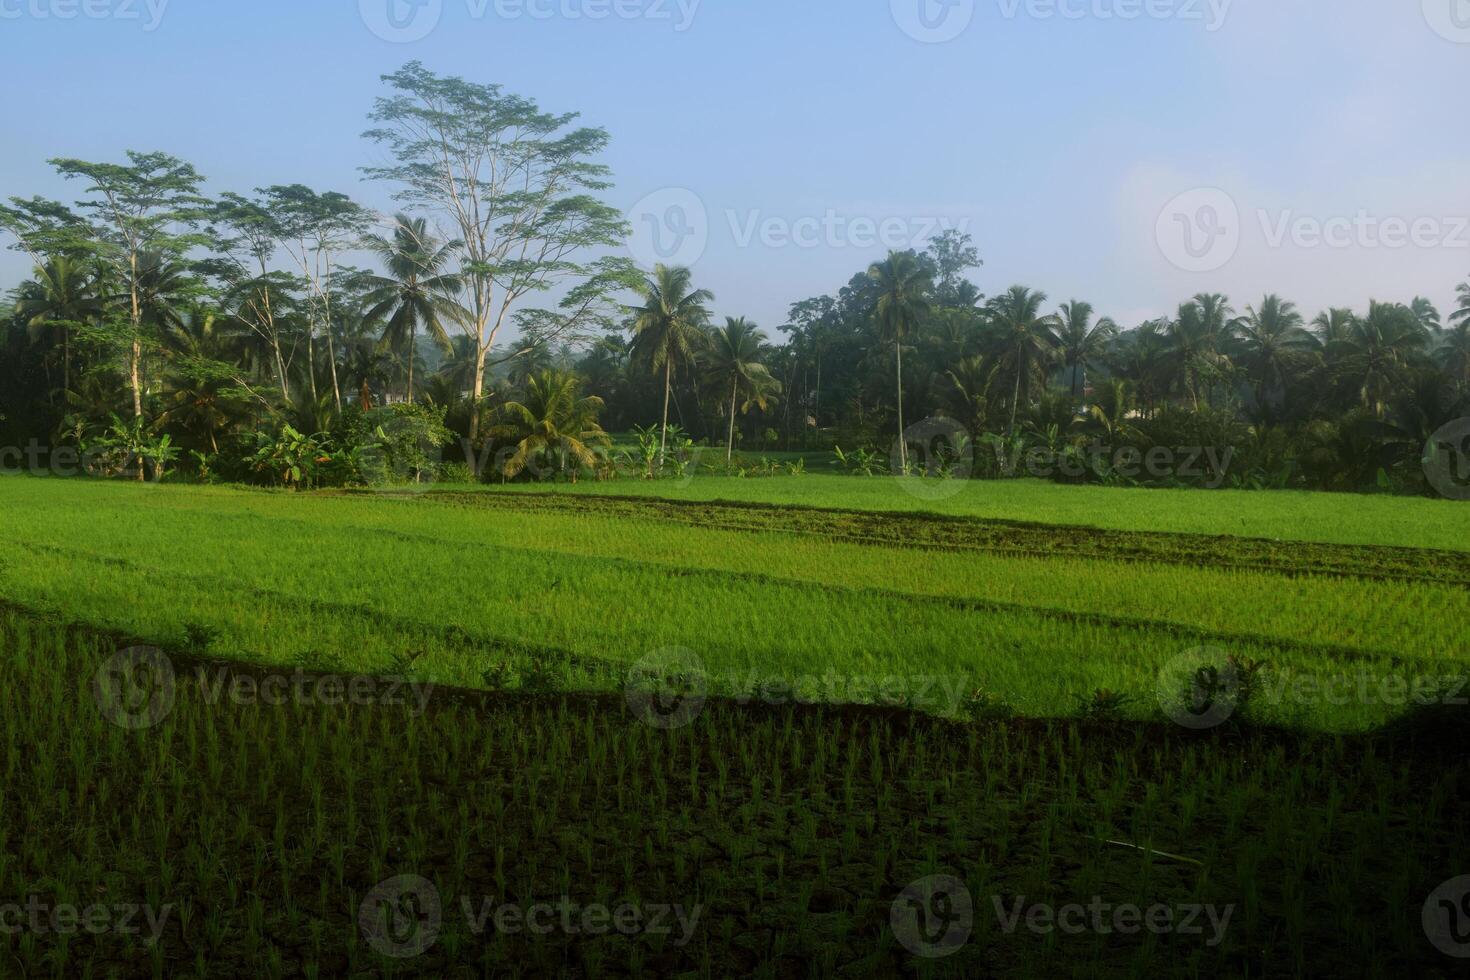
(1056, 133)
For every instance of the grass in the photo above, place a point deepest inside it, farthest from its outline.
(471, 585)
(1286, 515)
(990, 687)
(254, 834)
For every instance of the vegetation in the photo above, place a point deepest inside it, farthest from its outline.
(422, 588)
(253, 829)
(209, 320)
(1040, 615)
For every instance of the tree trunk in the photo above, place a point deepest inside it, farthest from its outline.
(135, 373)
(270, 319)
(730, 444)
(331, 344)
(1016, 394)
(663, 442)
(413, 332)
(311, 360)
(903, 445)
(816, 403)
(476, 392)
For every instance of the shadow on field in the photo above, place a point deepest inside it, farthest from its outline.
(318, 832)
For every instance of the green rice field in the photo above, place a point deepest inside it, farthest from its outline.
(784, 703)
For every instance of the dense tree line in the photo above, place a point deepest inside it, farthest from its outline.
(230, 337)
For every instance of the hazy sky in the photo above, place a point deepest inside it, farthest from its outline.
(1320, 147)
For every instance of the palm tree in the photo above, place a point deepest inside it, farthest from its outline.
(967, 394)
(1197, 341)
(1081, 342)
(204, 401)
(1454, 354)
(1426, 314)
(1378, 350)
(1025, 340)
(1463, 313)
(68, 297)
(1110, 415)
(1334, 326)
(1272, 340)
(416, 292)
(458, 366)
(733, 361)
(1143, 357)
(903, 286)
(368, 365)
(553, 418)
(669, 328)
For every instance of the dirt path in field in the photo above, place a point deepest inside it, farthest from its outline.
(892, 530)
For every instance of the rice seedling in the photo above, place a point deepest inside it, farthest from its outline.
(726, 740)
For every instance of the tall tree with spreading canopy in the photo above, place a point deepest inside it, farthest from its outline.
(135, 209)
(904, 289)
(669, 328)
(313, 228)
(248, 236)
(132, 209)
(520, 188)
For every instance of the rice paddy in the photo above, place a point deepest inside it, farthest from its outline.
(728, 731)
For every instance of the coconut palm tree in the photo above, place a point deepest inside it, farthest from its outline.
(1024, 339)
(1454, 354)
(732, 361)
(204, 401)
(1425, 312)
(669, 328)
(69, 296)
(1081, 342)
(416, 292)
(1143, 357)
(967, 393)
(1198, 339)
(903, 286)
(1463, 313)
(1334, 325)
(367, 364)
(1111, 414)
(553, 419)
(1272, 341)
(1374, 357)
